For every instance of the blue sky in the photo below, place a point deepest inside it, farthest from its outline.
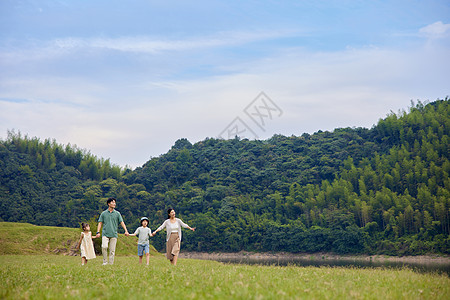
(126, 79)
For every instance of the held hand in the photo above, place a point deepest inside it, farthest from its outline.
(98, 235)
(126, 233)
(193, 228)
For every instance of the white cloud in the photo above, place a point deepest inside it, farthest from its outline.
(127, 89)
(151, 45)
(435, 30)
(131, 121)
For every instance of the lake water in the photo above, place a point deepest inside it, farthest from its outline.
(428, 267)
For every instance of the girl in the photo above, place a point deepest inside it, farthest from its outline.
(85, 244)
(173, 241)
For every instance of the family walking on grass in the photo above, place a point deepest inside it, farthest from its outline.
(110, 219)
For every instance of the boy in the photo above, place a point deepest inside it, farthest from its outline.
(143, 233)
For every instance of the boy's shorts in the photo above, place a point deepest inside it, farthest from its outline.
(143, 248)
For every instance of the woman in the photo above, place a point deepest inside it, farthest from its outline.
(173, 241)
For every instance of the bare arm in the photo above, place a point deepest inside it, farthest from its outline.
(134, 234)
(187, 226)
(125, 228)
(79, 242)
(159, 228)
(99, 227)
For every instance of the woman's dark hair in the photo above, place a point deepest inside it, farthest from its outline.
(110, 200)
(83, 225)
(168, 212)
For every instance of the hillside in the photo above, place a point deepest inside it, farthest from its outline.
(382, 190)
(23, 238)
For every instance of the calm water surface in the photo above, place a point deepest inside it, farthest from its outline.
(426, 267)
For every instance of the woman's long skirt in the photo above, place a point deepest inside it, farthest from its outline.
(173, 245)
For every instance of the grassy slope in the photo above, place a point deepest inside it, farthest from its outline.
(23, 238)
(49, 276)
(57, 276)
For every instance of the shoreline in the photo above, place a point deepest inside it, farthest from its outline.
(420, 259)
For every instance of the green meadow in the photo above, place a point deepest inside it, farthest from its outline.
(24, 238)
(29, 275)
(57, 277)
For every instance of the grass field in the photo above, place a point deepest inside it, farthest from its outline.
(23, 238)
(57, 277)
(30, 269)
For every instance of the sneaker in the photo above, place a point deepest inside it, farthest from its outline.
(104, 264)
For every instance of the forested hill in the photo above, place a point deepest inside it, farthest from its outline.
(353, 190)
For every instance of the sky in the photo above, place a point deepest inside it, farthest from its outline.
(126, 79)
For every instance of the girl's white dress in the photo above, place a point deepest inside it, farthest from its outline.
(87, 246)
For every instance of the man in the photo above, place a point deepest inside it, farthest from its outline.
(110, 219)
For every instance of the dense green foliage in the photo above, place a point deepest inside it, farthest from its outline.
(354, 190)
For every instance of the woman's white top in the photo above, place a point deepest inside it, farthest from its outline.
(174, 227)
(167, 225)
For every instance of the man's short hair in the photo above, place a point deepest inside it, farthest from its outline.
(110, 200)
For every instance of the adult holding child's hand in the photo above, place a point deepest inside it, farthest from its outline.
(173, 240)
(110, 220)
